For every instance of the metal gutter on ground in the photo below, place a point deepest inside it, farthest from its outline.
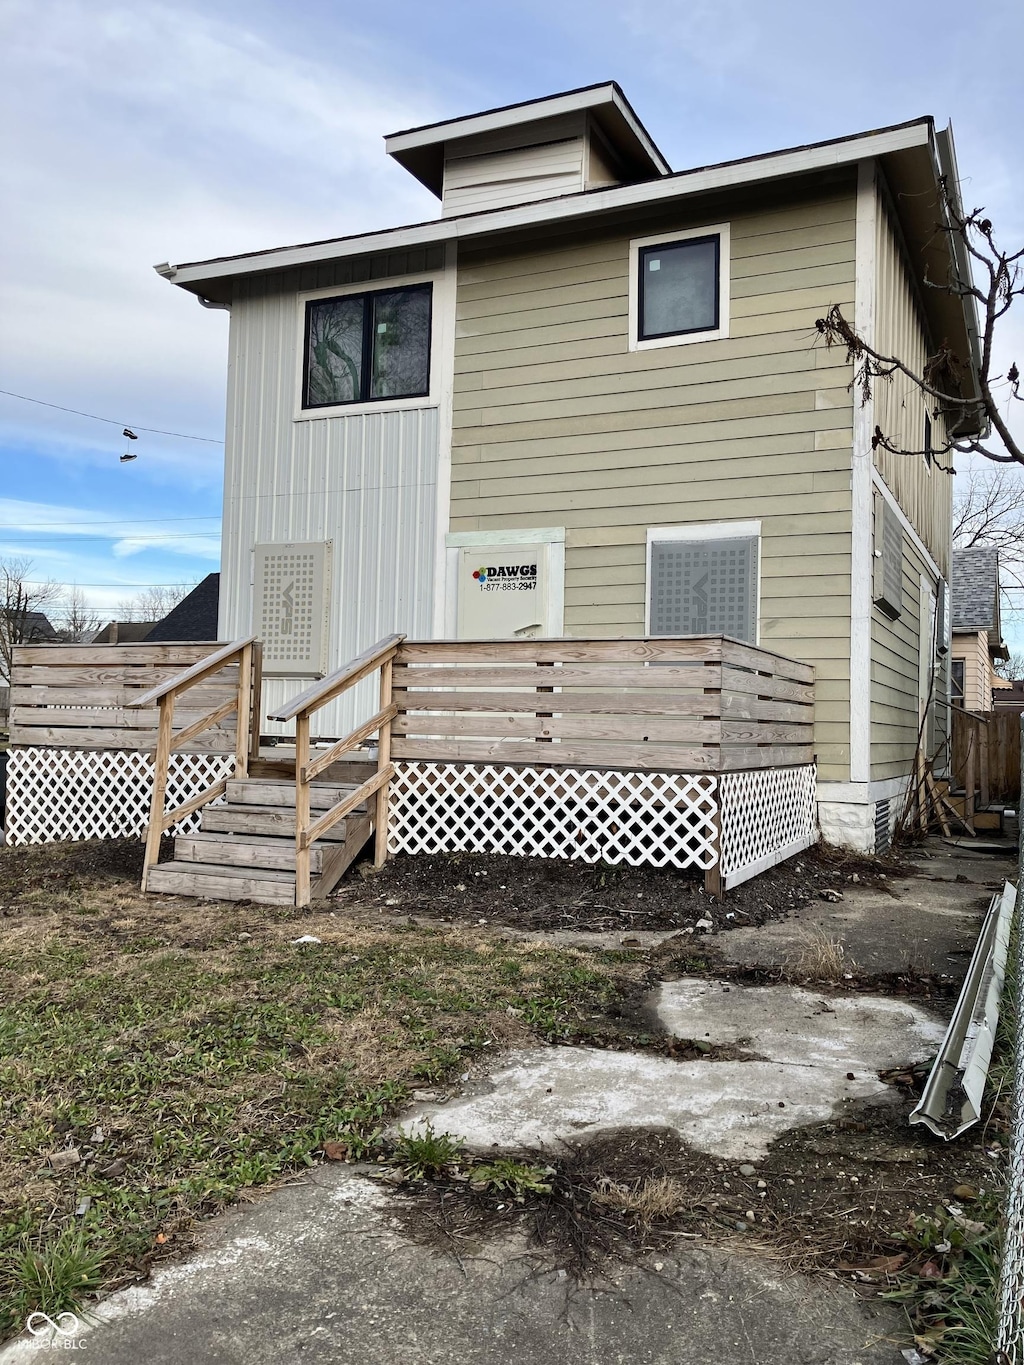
(953, 1093)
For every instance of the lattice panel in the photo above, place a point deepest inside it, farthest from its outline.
(57, 794)
(764, 815)
(659, 819)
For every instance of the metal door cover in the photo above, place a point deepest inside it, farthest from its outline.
(291, 602)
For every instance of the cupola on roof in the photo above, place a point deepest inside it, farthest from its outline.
(581, 139)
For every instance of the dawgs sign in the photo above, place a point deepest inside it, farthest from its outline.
(502, 591)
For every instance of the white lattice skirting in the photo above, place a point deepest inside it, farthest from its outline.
(767, 816)
(661, 819)
(56, 794)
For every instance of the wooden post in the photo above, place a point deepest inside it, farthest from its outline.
(242, 715)
(302, 890)
(380, 841)
(256, 686)
(713, 875)
(969, 778)
(983, 753)
(161, 759)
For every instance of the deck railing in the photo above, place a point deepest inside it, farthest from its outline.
(301, 709)
(245, 653)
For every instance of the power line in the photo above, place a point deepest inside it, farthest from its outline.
(117, 521)
(153, 431)
(122, 535)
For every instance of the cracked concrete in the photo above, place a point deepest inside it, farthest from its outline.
(815, 1056)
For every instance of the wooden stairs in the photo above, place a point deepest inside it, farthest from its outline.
(245, 848)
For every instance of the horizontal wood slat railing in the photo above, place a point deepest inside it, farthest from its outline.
(300, 709)
(692, 703)
(240, 653)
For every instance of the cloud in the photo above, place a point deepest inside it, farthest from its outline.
(201, 547)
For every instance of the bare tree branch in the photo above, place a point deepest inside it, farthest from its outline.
(22, 610)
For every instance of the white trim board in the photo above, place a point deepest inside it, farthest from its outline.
(861, 547)
(583, 205)
(862, 793)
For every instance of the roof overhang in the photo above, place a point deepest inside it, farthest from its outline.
(421, 151)
(912, 156)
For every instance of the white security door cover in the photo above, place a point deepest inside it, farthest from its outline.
(503, 591)
(290, 608)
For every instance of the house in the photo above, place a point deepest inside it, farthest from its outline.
(588, 399)
(977, 635)
(122, 633)
(194, 617)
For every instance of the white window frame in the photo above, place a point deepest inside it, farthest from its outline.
(428, 400)
(714, 530)
(719, 230)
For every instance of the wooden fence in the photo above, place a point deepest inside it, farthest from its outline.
(693, 704)
(986, 757)
(78, 696)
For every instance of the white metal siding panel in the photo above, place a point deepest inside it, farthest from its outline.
(366, 482)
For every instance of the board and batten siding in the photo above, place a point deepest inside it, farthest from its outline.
(367, 482)
(925, 494)
(558, 423)
(923, 491)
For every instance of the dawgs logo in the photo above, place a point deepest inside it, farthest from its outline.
(487, 575)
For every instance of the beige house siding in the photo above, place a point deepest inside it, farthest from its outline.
(924, 492)
(557, 423)
(897, 681)
(972, 647)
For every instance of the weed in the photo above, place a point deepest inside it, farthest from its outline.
(651, 1200)
(426, 1154)
(820, 958)
(514, 1178)
(49, 1276)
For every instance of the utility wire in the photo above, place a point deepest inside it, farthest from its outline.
(153, 431)
(118, 521)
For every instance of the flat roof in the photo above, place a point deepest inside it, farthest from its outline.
(421, 150)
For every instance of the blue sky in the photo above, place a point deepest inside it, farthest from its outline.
(143, 132)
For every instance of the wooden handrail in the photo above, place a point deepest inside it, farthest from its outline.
(213, 663)
(340, 680)
(247, 652)
(300, 708)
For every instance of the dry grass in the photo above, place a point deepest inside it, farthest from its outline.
(819, 958)
(655, 1199)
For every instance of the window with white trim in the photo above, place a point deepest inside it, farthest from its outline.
(703, 586)
(679, 287)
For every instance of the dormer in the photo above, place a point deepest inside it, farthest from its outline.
(542, 149)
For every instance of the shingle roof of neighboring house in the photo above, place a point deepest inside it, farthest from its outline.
(123, 633)
(36, 626)
(195, 616)
(974, 589)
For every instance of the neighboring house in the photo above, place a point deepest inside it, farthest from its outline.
(1008, 695)
(33, 628)
(195, 616)
(122, 633)
(977, 635)
(604, 375)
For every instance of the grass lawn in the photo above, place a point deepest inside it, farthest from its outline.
(159, 1059)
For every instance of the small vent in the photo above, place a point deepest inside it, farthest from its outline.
(888, 583)
(883, 835)
(290, 608)
(704, 587)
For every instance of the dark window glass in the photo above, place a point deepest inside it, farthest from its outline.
(367, 346)
(401, 343)
(679, 288)
(956, 679)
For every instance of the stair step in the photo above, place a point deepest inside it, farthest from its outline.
(222, 883)
(275, 821)
(243, 850)
(267, 792)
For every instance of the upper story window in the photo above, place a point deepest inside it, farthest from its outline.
(679, 288)
(365, 348)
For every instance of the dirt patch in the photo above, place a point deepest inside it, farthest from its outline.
(547, 894)
(866, 1197)
(35, 877)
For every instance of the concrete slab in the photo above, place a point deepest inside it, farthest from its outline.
(930, 922)
(546, 1097)
(320, 1272)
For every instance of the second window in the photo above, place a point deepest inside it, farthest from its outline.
(363, 348)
